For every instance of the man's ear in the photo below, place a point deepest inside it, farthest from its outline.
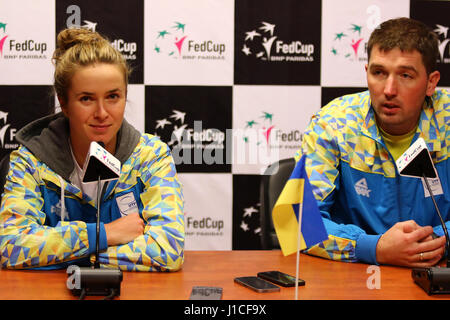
(433, 80)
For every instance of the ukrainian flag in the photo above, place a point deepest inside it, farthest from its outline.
(285, 213)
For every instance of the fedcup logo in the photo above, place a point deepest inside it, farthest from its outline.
(2, 37)
(12, 48)
(4, 128)
(263, 137)
(442, 33)
(176, 42)
(206, 146)
(350, 40)
(7, 134)
(169, 41)
(266, 128)
(248, 214)
(264, 44)
(347, 43)
(258, 143)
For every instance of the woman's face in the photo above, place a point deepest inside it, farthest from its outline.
(95, 106)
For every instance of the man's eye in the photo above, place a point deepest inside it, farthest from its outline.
(377, 72)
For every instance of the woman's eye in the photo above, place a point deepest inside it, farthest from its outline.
(85, 98)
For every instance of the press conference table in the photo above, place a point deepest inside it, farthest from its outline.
(324, 279)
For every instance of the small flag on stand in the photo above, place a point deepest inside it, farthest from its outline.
(297, 203)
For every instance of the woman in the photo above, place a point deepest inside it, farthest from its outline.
(47, 216)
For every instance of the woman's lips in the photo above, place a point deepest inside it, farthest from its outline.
(100, 127)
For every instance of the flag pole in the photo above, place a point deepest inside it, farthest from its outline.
(300, 213)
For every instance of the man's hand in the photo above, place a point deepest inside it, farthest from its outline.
(124, 230)
(408, 244)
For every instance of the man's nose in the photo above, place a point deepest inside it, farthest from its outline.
(390, 86)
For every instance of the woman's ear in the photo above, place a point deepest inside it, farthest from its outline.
(62, 105)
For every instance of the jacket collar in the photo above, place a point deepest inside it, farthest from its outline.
(427, 127)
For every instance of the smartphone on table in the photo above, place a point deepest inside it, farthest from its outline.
(257, 284)
(280, 278)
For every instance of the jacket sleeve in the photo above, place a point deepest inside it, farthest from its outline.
(346, 242)
(25, 240)
(161, 247)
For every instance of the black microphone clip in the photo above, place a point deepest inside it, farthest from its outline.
(433, 280)
(88, 281)
(93, 280)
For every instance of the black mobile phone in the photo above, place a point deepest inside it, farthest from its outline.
(257, 284)
(206, 293)
(280, 278)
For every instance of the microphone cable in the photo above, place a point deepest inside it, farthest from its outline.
(444, 227)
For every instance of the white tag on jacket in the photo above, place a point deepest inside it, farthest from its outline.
(127, 204)
(435, 185)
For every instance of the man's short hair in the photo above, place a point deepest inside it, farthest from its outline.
(407, 35)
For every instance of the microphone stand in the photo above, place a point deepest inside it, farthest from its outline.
(434, 280)
(97, 226)
(94, 280)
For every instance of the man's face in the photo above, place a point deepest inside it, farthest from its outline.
(398, 83)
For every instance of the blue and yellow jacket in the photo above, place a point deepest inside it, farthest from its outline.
(355, 180)
(32, 234)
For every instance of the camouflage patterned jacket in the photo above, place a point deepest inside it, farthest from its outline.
(32, 234)
(355, 180)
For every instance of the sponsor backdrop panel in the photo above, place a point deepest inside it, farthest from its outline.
(208, 207)
(268, 123)
(135, 108)
(229, 85)
(20, 105)
(122, 22)
(246, 212)
(189, 43)
(193, 121)
(346, 27)
(277, 42)
(436, 15)
(27, 32)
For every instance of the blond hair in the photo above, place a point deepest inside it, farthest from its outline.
(79, 47)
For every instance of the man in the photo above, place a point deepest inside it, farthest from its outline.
(373, 214)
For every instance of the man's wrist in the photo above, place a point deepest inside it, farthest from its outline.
(366, 248)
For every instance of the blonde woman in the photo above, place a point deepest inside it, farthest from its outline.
(47, 215)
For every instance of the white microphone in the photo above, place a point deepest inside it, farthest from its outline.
(416, 161)
(100, 164)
